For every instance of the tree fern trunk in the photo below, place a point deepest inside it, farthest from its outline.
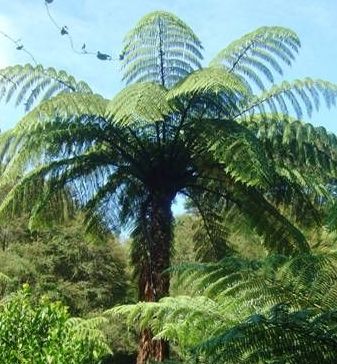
(153, 283)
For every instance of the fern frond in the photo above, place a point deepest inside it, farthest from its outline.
(90, 329)
(239, 151)
(212, 80)
(161, 316)
(249, 311)
(299, 94)
(65, 106)
(30, 81)
(139, 103)
(255, 53)
(47, 181)
(278, 233)
(161, 48)
(279, 337)
(210, 235)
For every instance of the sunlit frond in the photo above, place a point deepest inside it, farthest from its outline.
(139, 103)
(299, 95)
(160, 48)
(259, 53)
(212, 80)
(34, 83)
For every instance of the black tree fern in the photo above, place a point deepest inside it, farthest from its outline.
(176, 128)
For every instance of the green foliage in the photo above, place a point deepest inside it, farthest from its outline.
(275, 310)
(143, 102)
(43, 332)
(292, 143)
(160, 48)
(184, 229)
(193, 136)
(64, 264)
(300, 95)
(201, 132)
(31, 81)
(212, 80)
(192, 242)
(259, 53)
(278, 337)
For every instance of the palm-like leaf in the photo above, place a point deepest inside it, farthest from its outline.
(259, 53)
(160, 48)
(30, 82)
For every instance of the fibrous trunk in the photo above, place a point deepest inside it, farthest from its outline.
(156, 237)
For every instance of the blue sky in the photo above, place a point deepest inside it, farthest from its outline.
(102, 24)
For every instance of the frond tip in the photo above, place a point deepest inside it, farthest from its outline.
(161, 48)
(32, 83)
(300, 95)
(259, 53)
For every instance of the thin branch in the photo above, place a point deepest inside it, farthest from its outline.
(19, 46)
(64, 31)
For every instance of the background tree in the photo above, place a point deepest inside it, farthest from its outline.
(62, 263)
(177, 128)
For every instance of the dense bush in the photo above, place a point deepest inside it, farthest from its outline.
(42, 332)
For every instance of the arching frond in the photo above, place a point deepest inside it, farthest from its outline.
(246, 189)
(256, 53)
(192, 314)
(297, 142)
(64, 106)
(47, 183)
(300, 95)
(89, 328)
(109, 194)
(212, 80)
(304, 158)
(33, 83)
(236, 149)
(210, 234)
(248, 311)
(67, 123)
(279, 337)
(278, 233)
(160, 48)
(139, 103)
(313, 276)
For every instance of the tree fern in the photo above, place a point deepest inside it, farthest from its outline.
(177, 128)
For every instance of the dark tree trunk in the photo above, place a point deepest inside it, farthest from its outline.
(153, 283)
